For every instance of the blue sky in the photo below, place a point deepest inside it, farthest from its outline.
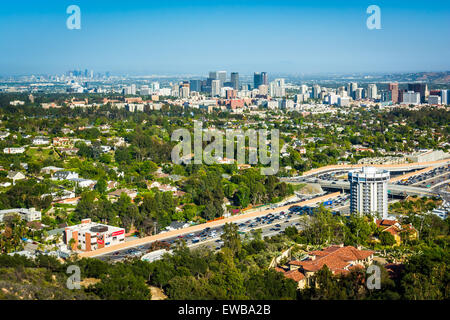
(147, 37)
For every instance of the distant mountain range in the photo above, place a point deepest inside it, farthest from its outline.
(430, 77)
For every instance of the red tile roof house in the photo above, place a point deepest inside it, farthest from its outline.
(295, 275)
(339, 259)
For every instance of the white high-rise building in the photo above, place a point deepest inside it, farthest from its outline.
(351, 88)
(369, 191)
(133, 89)
(215, 88)
(277, 88)
(411, 97)
(222, 76)
(444, 97)
(184, 92)
(332, 98)
(155, 86)
(303, 89)
(372, 91)
(341, 92)
(343, 101)
(359, 94)
(315, 91)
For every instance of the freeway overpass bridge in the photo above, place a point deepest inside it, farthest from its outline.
(393, 189)
(404, 167)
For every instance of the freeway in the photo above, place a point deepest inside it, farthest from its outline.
(201, 227)
(268, 226)
(393, 188)
(390, 167)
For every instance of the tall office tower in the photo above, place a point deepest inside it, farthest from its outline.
(386, 96)
(341, 92)
(315, 91)
(235, 80)
(421, 88)
(445, 97)
(155, 87)
(257, 80)
(303, 89)
(196, 85)
(184, 91)
(372, 91)
(222, 76)
(358, 93)
(265, 78)
(214, 75)
(393, 88)
(279, 82)
(369, 191)
(276, 88)
(215, 88)
(351, 88)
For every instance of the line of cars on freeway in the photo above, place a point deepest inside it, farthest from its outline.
(206, 234)
(425, 176)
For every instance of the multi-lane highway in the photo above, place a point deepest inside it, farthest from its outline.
(176, 233)
(270, 225)
(391, 167)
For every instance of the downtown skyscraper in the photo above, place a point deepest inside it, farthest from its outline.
(260, 78)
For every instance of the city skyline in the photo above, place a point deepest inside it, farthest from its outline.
(176, 37)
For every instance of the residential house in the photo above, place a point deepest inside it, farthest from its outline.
(50, 170)
(116, 194)
(64, 175)
(14, 150)
(295, 275)
(84, 183)
(395, 228)
(26, 214)
(40, 141)
(61, 141)
(15, 175)
(339, 259)
(163, 187)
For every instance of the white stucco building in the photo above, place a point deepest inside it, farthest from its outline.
(368, 188)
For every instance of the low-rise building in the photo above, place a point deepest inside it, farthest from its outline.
(26, 214)
(15, 175)
(65, 175)
(90, 236)
(14, 150)
(40, 141)
(116, 194)
(51, 170)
